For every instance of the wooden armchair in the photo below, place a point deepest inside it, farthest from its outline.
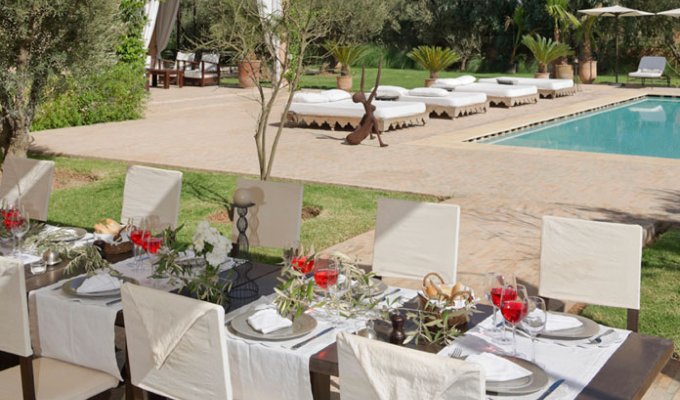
(204, 72)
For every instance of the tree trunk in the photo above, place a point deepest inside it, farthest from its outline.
(15, 138)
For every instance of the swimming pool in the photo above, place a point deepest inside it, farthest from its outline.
(646, 127)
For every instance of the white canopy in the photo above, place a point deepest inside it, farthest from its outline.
(614, 11)
(671, 13)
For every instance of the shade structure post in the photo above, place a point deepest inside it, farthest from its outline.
(616, 47)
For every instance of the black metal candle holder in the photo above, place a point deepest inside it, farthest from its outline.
(242, 227)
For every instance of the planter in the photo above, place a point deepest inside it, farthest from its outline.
(429, 81)
(587, 71)
(345, 82)
(248, 73)
(564, 71)
(542, 75)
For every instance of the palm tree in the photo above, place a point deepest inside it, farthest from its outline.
(545, 50)
(433, 58)
(347, 55)
(518, 22)
(562, 18)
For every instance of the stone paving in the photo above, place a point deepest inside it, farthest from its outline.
(503, 191)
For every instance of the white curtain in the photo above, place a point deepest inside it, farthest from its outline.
(271, 9)
(167, 14)
(150, 11)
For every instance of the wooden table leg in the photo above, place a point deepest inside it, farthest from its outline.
(154, 79)
(166, 79)
(180, 78)
(321, 386)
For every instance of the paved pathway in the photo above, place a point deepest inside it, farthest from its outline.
(503, 191)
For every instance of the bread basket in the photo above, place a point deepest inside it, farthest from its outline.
(457, 301)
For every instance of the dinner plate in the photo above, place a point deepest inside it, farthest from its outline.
(530, 384)
(585, 331)
(71, 286)
(69, 234)
(302, 325)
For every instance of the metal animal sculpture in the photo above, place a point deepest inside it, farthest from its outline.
(369, 123)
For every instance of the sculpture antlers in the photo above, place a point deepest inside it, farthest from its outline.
(369, 123)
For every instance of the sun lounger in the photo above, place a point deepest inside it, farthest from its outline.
(346, 113)
(547, 88)
(651, 68)
(506, 95)
(452, 83)
(452, 104)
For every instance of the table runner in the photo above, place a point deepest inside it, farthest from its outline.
(577, 363)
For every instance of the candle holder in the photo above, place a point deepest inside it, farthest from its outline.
(242, 226)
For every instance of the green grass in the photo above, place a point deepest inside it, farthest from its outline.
(660, 292)
(345, 211)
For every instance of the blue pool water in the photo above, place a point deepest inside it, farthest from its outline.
(648, 127)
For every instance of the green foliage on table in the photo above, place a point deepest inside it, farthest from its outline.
(90, 260)
(432, 325)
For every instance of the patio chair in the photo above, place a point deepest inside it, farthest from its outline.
(151, 192)
(370, 369)
(176, 345)
(413, 238)
(204, 72)
(276, 218)
(651, 67)
(592, 262)
(30, 182)
(37, 377)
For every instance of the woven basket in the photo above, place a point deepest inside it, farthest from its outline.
(445, 300)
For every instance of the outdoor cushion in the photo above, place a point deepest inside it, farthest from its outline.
(506, 81)
(546, 84)
(428, 92)
(450, 83)
(336, 94)
(493, 89)
(650, 67)
(347, 108)
(651, 70)
(212, 60)
(453, 99)
(196, 73)
(308, 97)
(390, 92)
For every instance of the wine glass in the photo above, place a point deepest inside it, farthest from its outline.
(326, 275)
(514, 307)
(495, 282)
(138, 236)
(535, 320)
(17, 221)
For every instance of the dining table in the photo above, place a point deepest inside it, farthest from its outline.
(627, 374)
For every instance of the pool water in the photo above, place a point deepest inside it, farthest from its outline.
(648, 127)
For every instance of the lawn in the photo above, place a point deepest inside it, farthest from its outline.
(88, 190)
(660, 293)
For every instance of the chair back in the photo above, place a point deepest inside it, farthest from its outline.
(30, 182)
(276, 218)
(15, 336)
(652, 64)
(212, 61)
(176, 345)
(591, 262)
(414, 238)
(151, 192)
(183, 58)
(370, 369)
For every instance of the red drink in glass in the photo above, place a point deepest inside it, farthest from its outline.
(152, 244)
(138, 237)
(510, 294)
(514, 311)
(325, 277)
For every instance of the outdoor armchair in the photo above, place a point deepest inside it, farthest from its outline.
(651, 67)
(203, 72)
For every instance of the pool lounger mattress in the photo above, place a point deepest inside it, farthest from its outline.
(453, 104)
(506, 95)
(551, 88)
(390, 114)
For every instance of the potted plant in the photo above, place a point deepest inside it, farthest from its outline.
(563, 20)
(587, 70)
(433, 59)
(346, 56)
(545, 51)
(249, 70)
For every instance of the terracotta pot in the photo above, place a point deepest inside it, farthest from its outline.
(564, 71)
(345, 82)
(587, 71)
(542, 75)
(248, 73)
(429, 81)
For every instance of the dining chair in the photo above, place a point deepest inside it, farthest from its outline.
(37, 377)
(276, 218)
(371, 369)
(176, 345)
(414, 238)
(30, 182)
(151, 192)
(592, 262)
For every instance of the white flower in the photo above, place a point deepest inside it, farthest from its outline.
(221, 246)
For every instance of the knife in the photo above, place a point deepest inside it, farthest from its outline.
(304, 342)
(112, 302)
(551, 389)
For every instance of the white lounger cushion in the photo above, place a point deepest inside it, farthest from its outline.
(428, 92)
(493, 89)
(390, 92)
(450, 83)
(547, 84)
(336, 95)
(309, 97)
(453, 99)
(640, 74)
(347, 108)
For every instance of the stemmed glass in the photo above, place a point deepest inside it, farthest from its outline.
(534, 322)
(16, 221)
(514, 307)
(495, 282)
(326, 275)
(139, 234)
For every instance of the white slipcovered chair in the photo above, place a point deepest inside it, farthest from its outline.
(651, 67)
(206, 71)
(414, 238)
(151, 192)
(30, 182)
(374, 370)
(37, 378)
(592, 262)
(276, 218)
(177, 346)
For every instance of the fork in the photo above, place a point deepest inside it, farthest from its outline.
(457, 353)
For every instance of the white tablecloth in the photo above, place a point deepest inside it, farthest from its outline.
(577, 363)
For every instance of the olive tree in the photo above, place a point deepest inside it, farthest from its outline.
(42, 38)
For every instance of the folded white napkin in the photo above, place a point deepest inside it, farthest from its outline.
(99, 283)
(498, 369)
(268, 321)
(557, 322)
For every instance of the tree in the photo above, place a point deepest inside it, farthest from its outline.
(41, 38)
(518, 23)
(545, 50)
